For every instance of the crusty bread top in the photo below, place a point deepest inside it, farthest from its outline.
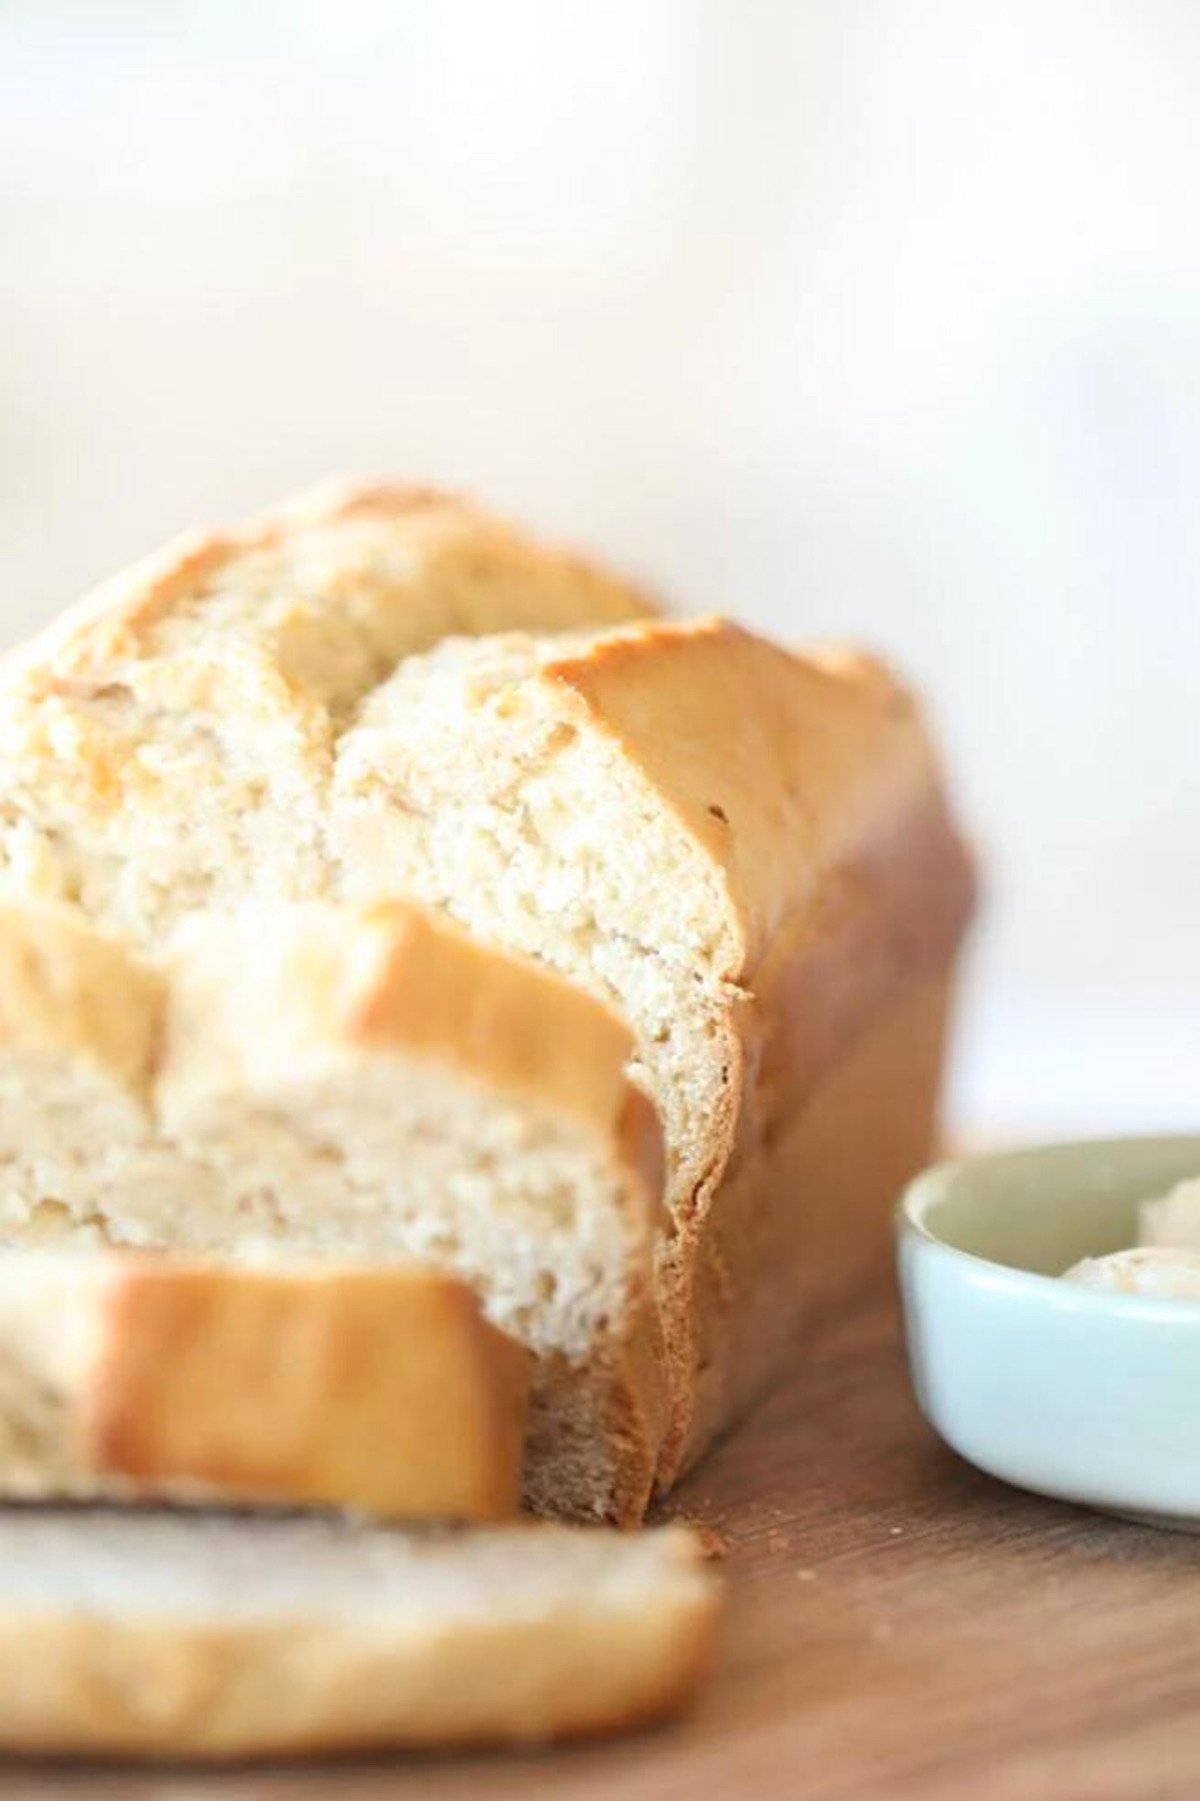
(168, 743)
(784, 766)
(333, 586)
(707, 795)
(252, 668)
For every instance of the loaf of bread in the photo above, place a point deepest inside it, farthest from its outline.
(355, 1084)
(138, 1377)
(748, 852)
(207, 1638)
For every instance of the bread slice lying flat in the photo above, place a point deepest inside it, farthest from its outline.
(141, 1376)
(191, 1637)
(354, 1083)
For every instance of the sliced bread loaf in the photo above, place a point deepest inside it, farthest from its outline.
(362, 1084)
(185, 1637)
(139, 1377)
(748, 852)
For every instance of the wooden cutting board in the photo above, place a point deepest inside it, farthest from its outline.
(899, 1627)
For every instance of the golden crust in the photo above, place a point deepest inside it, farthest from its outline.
(372, 547)
(101, 628)
(380, 1390)
(844, 885)
(824, 766)
(500, 1666)
(349, 497)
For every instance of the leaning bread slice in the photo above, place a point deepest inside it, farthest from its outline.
(141, 1376)
(750, 853)
(192, 1638)
(356, 1083)
(168, 742)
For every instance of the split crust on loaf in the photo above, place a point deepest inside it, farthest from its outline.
(363, 1084)
(169, 742)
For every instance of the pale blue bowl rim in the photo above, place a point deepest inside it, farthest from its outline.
(925, 1190)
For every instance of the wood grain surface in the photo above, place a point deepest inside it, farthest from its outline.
(899, 1626)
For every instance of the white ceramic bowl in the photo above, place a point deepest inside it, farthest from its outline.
(1086, 1395)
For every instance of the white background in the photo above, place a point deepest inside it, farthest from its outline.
(868, 319)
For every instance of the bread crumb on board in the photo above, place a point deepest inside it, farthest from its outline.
(713, 1544)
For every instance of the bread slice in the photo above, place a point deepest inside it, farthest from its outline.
(747, 851)
(140, 1377)
(191, 1638)
(169, 742)
(361, 1084)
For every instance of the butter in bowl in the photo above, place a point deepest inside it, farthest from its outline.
(1086, 1389)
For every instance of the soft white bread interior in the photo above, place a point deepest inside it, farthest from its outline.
(168, 743)
(137, 1377)
(356, 1083)
(207, 1638)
